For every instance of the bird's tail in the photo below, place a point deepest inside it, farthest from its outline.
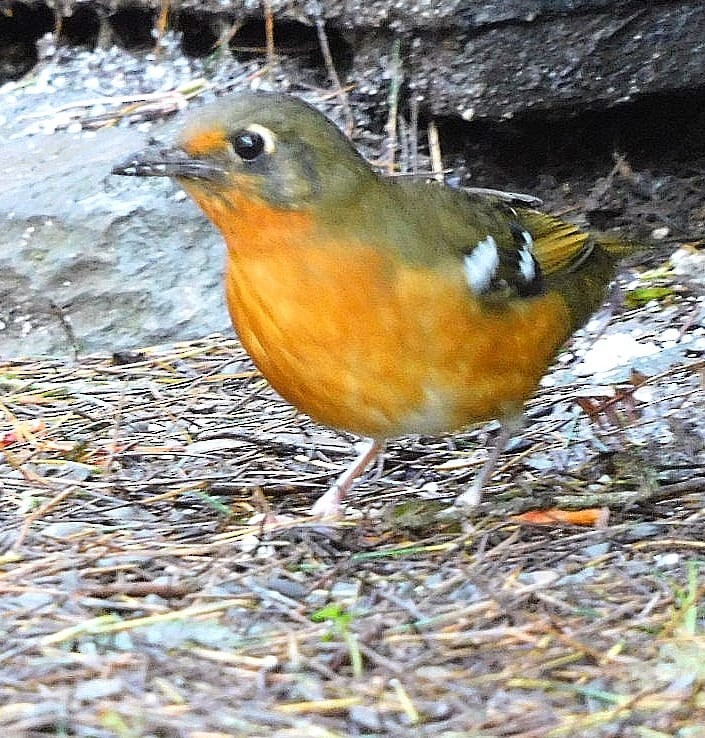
(616, 245)
(579, 265)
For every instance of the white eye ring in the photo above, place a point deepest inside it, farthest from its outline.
(270, 140)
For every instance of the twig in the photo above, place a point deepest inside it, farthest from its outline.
(434, 148)
(228, 35)
(116, 428)
(414, 133)
(66, 326)
(333, 72)
(269, 37)
(161, 24)
(393, 103)
(43, 510)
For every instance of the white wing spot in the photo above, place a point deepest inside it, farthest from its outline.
(481, 264)
(526, 258)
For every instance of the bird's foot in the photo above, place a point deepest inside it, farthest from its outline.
(330, 504)
(471, 497)
(270, 520)
(473, 494)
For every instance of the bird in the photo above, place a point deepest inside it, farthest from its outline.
(381, 306)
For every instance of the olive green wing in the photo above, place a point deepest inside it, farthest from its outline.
(507, 249)
(527, 253)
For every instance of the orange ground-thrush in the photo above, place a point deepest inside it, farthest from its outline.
(380, 306)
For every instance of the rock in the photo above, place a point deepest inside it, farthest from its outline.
(597, 56)
(124, 263)
(478, 60)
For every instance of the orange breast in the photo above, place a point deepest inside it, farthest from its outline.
(364, 343)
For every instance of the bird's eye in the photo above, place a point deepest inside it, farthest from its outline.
(248, 145)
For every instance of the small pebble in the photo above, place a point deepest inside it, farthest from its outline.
(66, 530)
(430, 488)
(615, 350)
(345, 590)
(366, 717)
(596, 550)
(670, 334)
(34, 599)
(638, 568)
(467, 592)
(667, 560)
(287, 587)
(539, 578)
(123, 641)
(698, 344)
(96, 688)
(644, 394)
(317, 597)
(658, 234)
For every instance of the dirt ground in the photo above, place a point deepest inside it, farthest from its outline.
(141, 597)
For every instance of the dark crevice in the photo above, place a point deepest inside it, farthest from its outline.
(81, 28)
(132, 26)
(20, 21)
(199, 30)
(292, 39)
(570, 161)
(21, 25)
(659, 132)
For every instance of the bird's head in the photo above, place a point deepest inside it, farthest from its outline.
(268, 146)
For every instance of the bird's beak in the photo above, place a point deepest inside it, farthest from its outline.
(172, 162)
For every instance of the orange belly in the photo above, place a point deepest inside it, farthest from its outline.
(362, 343)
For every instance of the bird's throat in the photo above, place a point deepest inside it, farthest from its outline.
(248, 223)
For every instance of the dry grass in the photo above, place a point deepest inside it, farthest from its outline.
(137, 600)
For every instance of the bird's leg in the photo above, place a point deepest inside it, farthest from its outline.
(473, 494)
(329, 504)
